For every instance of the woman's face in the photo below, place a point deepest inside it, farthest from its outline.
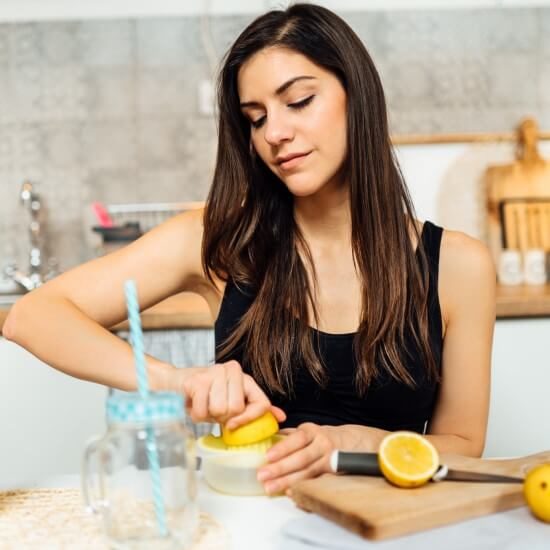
(297, 114)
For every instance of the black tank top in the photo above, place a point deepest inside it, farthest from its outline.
(388, 404)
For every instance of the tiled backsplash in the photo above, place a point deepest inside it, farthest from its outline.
(108, 110)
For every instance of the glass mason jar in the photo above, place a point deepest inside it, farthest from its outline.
(140, 476)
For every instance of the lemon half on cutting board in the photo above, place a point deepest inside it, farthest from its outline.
(230, 462)
(407, 459)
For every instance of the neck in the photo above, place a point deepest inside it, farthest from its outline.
(324, 216)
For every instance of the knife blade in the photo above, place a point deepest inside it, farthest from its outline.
(356, 463)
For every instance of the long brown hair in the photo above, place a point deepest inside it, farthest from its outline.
(251, 237)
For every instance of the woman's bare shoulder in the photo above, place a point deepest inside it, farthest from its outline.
(190, 224)
(466, 270)
(179, 241)
(462, 252)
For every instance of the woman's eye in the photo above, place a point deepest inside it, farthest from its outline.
(257, 123)
(302, 103)
(296, 106)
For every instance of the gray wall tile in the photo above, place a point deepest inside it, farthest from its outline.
(512, 31)
(543, 85)
(167, 42)
(7, 148)
(112, 186)
(543, 18)
(108, 110)
(5, 48)
(110, 144)
(26, 86)
(162, 143)
(60, 44)
(512, 80)
(168, 90)
(6, 97)
(412, 83)
(107, 43)
(63, 147)
(109, 93)
(462, 82)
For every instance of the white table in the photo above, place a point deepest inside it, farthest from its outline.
(262, 523)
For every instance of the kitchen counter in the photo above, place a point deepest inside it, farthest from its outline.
(188, 310)
(277, 524)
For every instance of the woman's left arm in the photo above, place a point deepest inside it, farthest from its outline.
(467, 287)
(467, 293)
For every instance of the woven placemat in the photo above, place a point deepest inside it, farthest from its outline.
(55, 519)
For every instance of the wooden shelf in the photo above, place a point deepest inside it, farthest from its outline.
(523, 301)
(188, 310)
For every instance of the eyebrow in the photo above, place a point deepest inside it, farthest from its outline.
(280, 90)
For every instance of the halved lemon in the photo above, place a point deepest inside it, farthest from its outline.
(257, 430)
(407, 459)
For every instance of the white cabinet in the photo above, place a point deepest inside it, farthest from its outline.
(45, 418)
(520, 389)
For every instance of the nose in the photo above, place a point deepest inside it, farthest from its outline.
(278, 130)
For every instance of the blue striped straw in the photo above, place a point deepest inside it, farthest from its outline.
(136, 338)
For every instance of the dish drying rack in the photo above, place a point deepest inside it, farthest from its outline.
(148, 215)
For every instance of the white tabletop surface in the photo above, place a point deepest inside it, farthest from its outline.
(263, 523)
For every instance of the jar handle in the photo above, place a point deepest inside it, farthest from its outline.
(93, 496)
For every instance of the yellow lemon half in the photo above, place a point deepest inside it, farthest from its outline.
(536, 489)
(257, 430)
(407, 459)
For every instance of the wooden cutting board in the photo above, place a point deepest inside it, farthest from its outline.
(374, 509)
(518, 194)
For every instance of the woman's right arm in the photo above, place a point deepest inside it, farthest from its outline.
(65, 322)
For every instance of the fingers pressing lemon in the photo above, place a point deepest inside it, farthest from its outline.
(407, 459)
(536, 489)
(259, 429)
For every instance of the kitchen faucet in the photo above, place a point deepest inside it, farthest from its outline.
(34, 278)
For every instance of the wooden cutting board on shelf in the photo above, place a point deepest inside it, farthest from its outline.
(518, 197)
(374, 509)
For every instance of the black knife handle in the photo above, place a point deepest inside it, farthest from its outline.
(364, 464)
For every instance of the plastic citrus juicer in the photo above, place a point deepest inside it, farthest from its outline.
(230, 461)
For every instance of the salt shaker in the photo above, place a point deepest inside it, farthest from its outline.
(510, 271)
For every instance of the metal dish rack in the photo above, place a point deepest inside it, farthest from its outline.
(148, 214)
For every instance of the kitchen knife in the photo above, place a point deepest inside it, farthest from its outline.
(367, 464)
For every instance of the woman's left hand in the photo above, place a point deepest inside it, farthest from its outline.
(303, 453)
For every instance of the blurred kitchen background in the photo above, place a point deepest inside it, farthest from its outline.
(111, 102)
(117, 110)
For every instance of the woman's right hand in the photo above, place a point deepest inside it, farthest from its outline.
(223, 393)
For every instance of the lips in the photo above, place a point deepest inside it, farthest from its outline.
(291, 160)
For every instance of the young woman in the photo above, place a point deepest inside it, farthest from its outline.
(334, 306)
